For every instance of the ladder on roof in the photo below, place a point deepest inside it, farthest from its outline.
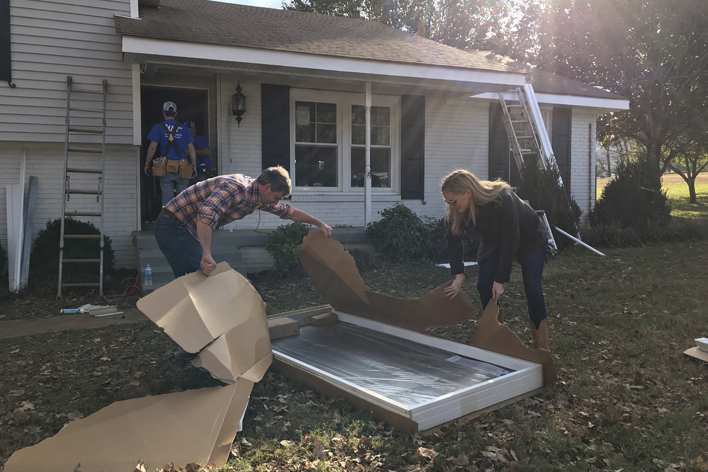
(525, 129)
(82, 173)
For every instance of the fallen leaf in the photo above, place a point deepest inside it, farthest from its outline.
(19, 416)
(27, 406)
(75, 415)
(78, 467)
(245, 443)
(426, 453)
(140, 467)
(285, 426)
(15, 351)
(105, 359)
(464, 460)
(16, 393)
(191, 467)
(287, 443)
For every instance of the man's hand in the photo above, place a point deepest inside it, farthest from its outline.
(208, 264)
(146, 170)
(456, 287)
(325, 229)
(497, 290)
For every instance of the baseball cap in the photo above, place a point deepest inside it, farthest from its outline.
(190, 124)
(169, 106)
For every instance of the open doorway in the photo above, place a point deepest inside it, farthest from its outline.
(192, 105)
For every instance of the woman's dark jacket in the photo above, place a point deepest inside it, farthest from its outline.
(508, 223)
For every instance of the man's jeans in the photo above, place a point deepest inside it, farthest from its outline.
(169, 183)
(531, 271)
(182, 251)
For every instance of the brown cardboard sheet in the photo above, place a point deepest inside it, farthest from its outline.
(697, 354)
(334, 274)
(491, 335)
(223, 316)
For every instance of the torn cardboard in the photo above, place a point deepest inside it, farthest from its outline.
(334, 274)
(697, 353)
(223, 316)
(491, 335)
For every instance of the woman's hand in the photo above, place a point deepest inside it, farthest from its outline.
(497, 290)
(456, 287)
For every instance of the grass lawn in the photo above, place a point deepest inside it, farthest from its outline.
(626, 398)
(677, 191)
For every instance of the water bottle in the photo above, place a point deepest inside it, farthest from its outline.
(148, 275)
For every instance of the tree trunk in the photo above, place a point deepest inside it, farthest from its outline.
(692, 189)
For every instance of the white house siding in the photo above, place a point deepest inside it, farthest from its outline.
(52, 39)
(582, 174)
(45, 161)
(457, 135)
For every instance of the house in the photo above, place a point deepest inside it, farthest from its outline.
(304, 76)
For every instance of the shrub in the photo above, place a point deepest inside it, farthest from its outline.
(543, 192)
(400, 235)
(438, 244)
(615, 235)
(44, 260)
(364, 260)
(281, 245)
(628, 201)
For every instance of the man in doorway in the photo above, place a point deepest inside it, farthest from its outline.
(176, 142)
(201, 146)
(185, 226)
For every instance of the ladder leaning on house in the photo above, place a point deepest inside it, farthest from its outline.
(525, 129)
(92, 149)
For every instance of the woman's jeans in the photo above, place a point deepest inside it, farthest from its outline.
(531, 271)
(169, 183)
(182, 251)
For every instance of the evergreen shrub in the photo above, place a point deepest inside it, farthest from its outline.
(543, 192)
(281, 245)
(44, 259)
(400, 235)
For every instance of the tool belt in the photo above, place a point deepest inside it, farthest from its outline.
(158, 167)
(186, 169)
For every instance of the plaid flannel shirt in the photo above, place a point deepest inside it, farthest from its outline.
(221, 200)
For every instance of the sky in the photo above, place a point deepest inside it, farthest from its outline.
(258, 3)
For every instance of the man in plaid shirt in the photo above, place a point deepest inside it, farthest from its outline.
(185, 226)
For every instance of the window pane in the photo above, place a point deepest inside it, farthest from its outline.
(305, 133)
(327, 113)
(326, 133)
(380, 135)
(380, 167)
(304, 113)
(358, 115)
(358, 134)
(316, 166)
(380, 116)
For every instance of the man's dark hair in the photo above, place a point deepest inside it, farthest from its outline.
(170, 114)
(278, 178)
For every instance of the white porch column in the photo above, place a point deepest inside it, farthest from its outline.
(367, 158)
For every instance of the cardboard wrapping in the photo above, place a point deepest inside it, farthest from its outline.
(334, 274)
(223, 317)
(697, 353)
(491, 335)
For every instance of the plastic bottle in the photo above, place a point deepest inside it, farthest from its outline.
(148, 275)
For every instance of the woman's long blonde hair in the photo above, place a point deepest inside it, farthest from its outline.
(483, 192)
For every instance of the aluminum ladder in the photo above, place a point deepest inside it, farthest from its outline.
(525, 129)
(91, 149)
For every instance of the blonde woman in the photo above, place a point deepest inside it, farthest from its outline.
(510, 229)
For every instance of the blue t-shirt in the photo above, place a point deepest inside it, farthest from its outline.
(182, 137)
(203, 162)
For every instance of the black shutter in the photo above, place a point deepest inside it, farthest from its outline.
(5, 59)
(275, 126)
(560, 140)
(498, 145)
(412, 147)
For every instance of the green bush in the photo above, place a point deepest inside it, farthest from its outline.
(543, 192)
(44, 260)
(616, 235)
(400, 235)
(628, 201)
(281, 245)
(438, 243)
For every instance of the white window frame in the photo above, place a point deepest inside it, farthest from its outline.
(344, 102)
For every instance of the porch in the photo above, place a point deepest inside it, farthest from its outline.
(243, 249)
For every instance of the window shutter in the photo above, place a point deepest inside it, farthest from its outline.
(412, 146)
(5, 59)
(560, 140)
(275, 125)
(498, 145)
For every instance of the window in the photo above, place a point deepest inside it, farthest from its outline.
(329, 142)
(380, 146)
(316, 149)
